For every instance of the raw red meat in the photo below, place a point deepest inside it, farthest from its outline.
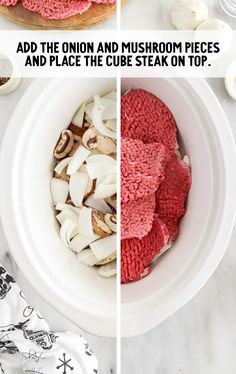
(172, 194)
(104, 1)
(137, 255)
(144, 116)
(57, 9)
(142, 168)
(137, 217)
(8, 2)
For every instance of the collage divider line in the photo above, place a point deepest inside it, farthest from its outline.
(118, 284)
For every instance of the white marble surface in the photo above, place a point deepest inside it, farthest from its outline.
(155, 14)
(104, 348)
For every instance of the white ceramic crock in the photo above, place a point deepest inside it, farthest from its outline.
(29, 224)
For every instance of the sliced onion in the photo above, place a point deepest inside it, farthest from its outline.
(110, 95)
(98, 204)
(78, 119)
(101, 158)
(100, 165)
(98, 117)
(104, 247)
(79, 242)
(64, 214)
(108, 270)
(85, 222)
(111, 124)
(61, 165)
(77, 159)
(105, 190)
(109, 112)
(77, 187)
(59, 190)
(62, 206)
(109, 179)
(68, 230)
(87, 257)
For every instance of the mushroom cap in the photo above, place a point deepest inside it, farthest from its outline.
(214, 24)
(188, 14)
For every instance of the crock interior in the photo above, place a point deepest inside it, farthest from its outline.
(191, 121)
(79, 280)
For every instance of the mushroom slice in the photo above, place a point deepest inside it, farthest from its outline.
(59, 190)
(87, 257)
(108, 270)
(108, 259)
(69, 229)
(103, 248)
(77, 187)
(111, 221)
(98, 118)
(109, 105)
(64, 214)
(106, 145)
(79, 242)
(89, 139)
(99, 225)
(98, 204)
(85, 222)
(62, 165)
(64, 145)
(105, 190)
(78, 118)
(77, 159)
(62, 206)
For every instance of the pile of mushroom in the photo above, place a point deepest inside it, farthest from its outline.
(83, 186)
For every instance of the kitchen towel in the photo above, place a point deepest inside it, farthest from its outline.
(28, 346)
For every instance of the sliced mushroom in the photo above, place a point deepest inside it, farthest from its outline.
(79, 131)
(90, 188)
(77, 143)
(111, 221)
(106, 145)
(99, 225)
(108, 259)
(89, 139)
(111, 201)
(64, 144)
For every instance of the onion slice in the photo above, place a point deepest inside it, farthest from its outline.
(87, 257)
(79, 242)
(78, 118)
(77, 159)
(104, 191)
(85, 222)
(68, 230)
(77, 187)
(104, 247)
(59, 190)
(64, 214)
(98, 117)
(62, 164)
(108, 270)
(109, 105)
(98, 204)
(62, 206)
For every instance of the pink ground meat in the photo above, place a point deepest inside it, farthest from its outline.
(137, 217)
(142, 168)
(56, 9)
(146, 168)
(137, 255)
(144, 116)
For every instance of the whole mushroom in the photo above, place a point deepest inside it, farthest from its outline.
(188, 14)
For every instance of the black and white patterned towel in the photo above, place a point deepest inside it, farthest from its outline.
(28, 346)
